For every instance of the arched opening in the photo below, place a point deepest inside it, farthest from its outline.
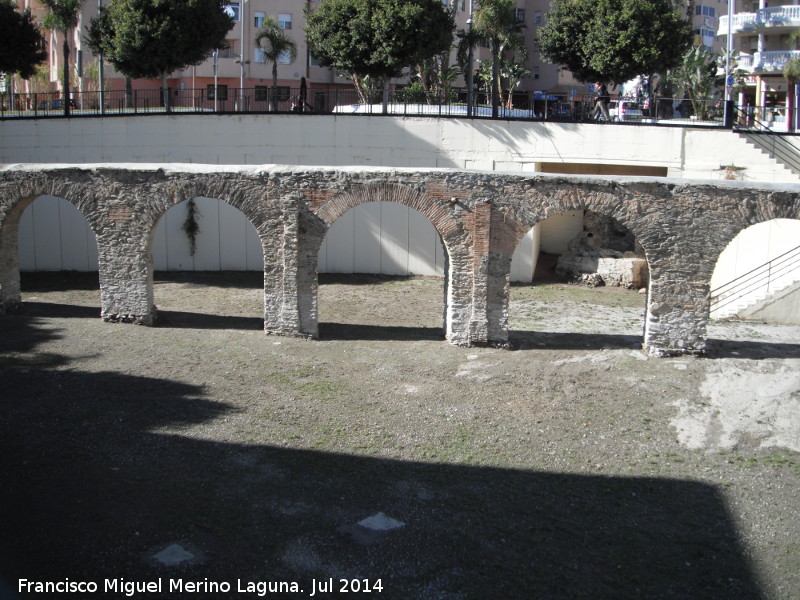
(58, 256)
(757, 276)
(579, 279)
(382, 270)
(205, 243)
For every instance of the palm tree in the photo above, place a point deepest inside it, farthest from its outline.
(275, 43)
(63, 18)
(496, 22)
(513, 72)
(698, 77)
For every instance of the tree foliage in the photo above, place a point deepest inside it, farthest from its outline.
(378, 38)
(496, 23)
(274, 42)
(63, 17)
(614, 40)
(21, 43)
(698, 77)
(152, 38)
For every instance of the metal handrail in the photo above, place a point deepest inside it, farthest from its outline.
(282, 99)
(749, 126)
(755, 279)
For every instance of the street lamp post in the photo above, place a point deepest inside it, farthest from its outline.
(242, 57)
(728, 117)
(470, 78)
(100, 71)
(216, 80)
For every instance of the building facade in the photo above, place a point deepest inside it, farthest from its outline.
(248, 69)
(765, 38)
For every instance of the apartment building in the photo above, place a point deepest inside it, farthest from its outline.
(242, 65)
(248, 68)
(763, 35)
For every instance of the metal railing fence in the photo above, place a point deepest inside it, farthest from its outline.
(781, 269)
(265, 99)
(748, 124)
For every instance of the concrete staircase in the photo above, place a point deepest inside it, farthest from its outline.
(778, 279)
(777, 145)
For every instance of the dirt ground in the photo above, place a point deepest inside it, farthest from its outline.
(570, 466)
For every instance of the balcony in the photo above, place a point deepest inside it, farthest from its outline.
(761, 21)
(766, 62)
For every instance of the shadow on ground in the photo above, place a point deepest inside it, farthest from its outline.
(94, 485)
(345, 331)
(751, 349)
(538, 340)
(192, 320)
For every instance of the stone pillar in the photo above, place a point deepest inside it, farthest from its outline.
(481, 232)
(9, 265)
(125, 267)
(290, 277)
(677, 315)
(491, 272)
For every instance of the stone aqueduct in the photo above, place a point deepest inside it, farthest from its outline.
(481, 216)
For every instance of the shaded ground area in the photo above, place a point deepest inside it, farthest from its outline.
(571, 467)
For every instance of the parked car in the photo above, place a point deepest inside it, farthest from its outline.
(561, 111)
(54, 104)
(624, 110)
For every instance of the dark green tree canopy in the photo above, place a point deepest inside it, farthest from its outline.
(151, 38)
(377, 38)
(614, 40)
(22, 46)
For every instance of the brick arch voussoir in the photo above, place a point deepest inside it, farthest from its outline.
(247, 195)
(436, 211)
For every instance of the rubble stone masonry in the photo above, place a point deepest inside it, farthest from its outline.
(682, 225)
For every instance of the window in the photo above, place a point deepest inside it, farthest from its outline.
(283, 93)
(232, 9)
(222, 89)
(262, 93)
(230, 51)
(536, 72)
(520, 15)
(259, 55)
(706, 11)
(285, 58)
(258, 19)
(285, 21)
(312, 61)
(537, 16)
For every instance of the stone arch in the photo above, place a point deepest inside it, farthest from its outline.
(215, 219)
(450, 230)
(435, 211)
(15, 198)
(246, 195)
